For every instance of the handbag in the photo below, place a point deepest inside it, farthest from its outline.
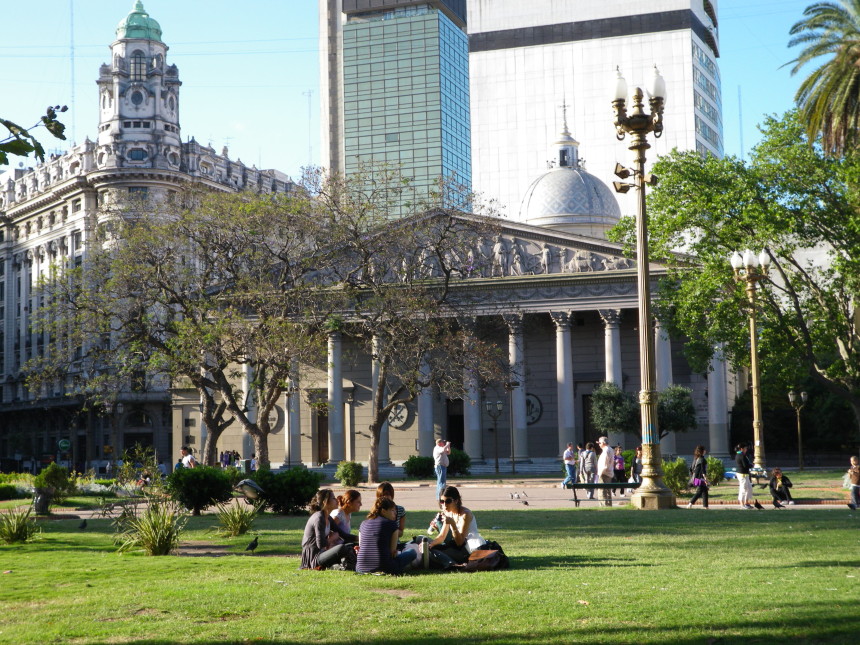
(482, 560)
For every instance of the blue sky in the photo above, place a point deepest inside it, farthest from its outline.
(247, 67)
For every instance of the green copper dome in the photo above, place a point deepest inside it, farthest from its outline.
(138, 24)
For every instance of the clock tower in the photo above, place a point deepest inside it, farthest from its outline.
(139, 99)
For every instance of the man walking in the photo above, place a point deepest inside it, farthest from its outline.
(569, 465)
(440, 463)
(605, 470)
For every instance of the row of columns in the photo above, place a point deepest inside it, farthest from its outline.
(472, 412)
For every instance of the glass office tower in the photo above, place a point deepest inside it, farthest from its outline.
(398, 88)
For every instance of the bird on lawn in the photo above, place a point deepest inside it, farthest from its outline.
(757, 505)
(776, 504)
(253, 545)
(512, 495)
(525, 503)
(524, 494)
(516, 495)
(83, 524)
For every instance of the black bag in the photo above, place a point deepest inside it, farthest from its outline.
(439, 560)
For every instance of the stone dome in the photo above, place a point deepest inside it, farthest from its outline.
(138, 24)
(569, 198)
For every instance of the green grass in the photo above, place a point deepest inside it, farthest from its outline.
(806, 486)
(590, 576)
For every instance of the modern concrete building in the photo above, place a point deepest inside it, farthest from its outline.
(395, 87)
(528, 58)
(49, 215)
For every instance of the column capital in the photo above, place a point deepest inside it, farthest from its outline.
(611, 317)
(561, 319)
(334, 334)
(514, 322)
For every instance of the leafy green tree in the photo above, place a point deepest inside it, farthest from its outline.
(613, 410)
(204, 290)
(21, 142)
(802, 207)
(675, 410)
(829, 98)
(401, 283)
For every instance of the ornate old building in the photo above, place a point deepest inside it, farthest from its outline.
(49, 214)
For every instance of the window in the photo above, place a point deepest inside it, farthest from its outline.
(137, 154)
(138, 66)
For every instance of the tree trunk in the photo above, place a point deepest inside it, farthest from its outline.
(210, 457)
(261, 449)
(373, 460)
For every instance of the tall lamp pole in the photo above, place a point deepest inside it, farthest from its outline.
(494, 409)
(797, 402)
(751, 269)
(653, 493)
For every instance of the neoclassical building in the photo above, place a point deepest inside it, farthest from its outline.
(562, 300)
(48, 216)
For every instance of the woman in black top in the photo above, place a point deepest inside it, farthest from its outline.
(378, 541)
(318, 550)
(779, 488)
(700, 475)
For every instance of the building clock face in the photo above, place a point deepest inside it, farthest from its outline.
(399, 416)
(534, 409)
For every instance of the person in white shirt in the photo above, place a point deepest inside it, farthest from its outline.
(188, 460)
(440, 463)
(569, 458)
(605, 470)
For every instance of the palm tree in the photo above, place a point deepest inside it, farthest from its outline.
(829, 98)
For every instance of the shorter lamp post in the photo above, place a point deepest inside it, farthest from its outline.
(494, 409)
(751, 269)
(797, 402)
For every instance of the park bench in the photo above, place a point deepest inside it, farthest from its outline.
(601, 486)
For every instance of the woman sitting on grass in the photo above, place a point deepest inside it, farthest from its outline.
(378, 541)
(347, 504)
(385, 489)
(458, 529)
(316, 550)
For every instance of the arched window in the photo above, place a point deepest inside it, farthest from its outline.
(138, 66)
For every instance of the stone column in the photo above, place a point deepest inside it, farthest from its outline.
(472, 440)
(564, 379)
(516, 359)
(663, 355)
(612, 344)
(383, 451)
(335, 399)
(425, 416)
(293, 443)
(718, 408)
(612, 353)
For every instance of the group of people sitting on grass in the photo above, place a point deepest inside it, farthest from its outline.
(330, 543)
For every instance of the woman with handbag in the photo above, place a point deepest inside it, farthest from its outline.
(458, 533)
(699, 477)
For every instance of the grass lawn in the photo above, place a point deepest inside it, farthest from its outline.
(594, 576)
(806, 486)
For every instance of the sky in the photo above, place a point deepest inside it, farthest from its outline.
(250, 69)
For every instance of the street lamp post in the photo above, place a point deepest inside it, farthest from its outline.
(797, 402)
(494, 409)
(653, 493)
(751, 269)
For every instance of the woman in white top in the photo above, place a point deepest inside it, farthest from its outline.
(347, 504)
(458, 535)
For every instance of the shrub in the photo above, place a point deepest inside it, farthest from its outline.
(418, 467)
(288, 492)
(629, 456)
(716, 471)
(8, 491)
(234, 475)
(17, 525)
(236, 519)
(676, 475)
(157, 529)
(349, 473)
(55, 481)
(458, 463)
(200, 487)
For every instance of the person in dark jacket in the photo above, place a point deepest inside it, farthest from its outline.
(779, 488)
(321, 547)
(700, 475)
(742, 470)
